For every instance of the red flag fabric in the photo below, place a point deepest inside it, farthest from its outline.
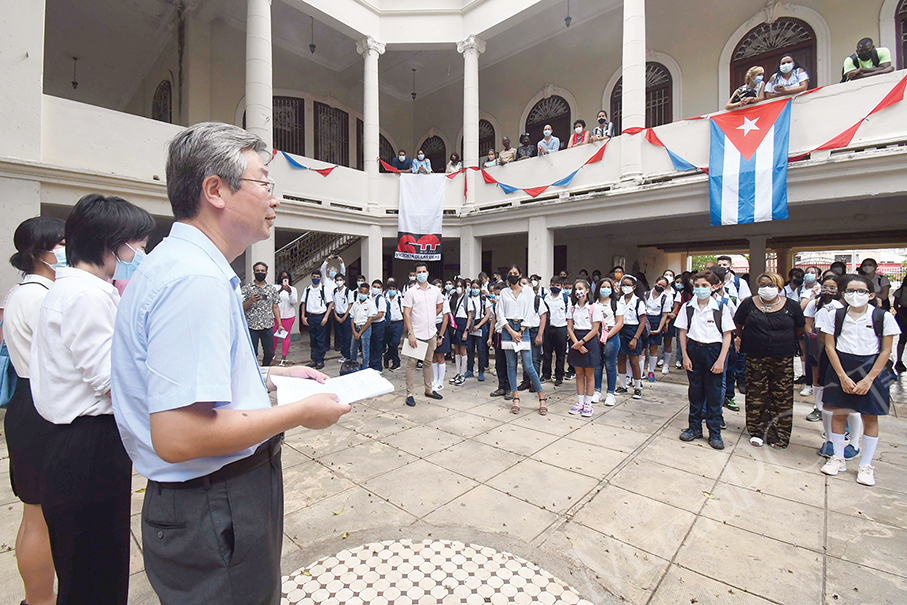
(633, 130)
(536, 191)
(598, 155)
(896, 95)
(652, 138)
(843, 139)
(388, 167)
(488, 178)
(324, 171)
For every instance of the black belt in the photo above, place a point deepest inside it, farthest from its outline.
(704, 345)
(263, 454)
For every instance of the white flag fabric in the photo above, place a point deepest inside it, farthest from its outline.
(420, 214)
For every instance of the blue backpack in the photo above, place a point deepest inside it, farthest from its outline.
(8, 376)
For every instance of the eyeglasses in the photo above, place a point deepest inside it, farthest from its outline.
(269, 184)
(850, 291)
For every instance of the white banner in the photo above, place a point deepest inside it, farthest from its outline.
(420, 215)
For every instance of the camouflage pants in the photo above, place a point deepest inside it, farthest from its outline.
(770, 398)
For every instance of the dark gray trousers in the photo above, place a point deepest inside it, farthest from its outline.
(216, 543)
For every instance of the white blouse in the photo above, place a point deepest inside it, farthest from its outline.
(20, 317)
(287, 302)
(583, 319)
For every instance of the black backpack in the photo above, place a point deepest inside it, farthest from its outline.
(717, 313)
(878, 326)
(856, 62)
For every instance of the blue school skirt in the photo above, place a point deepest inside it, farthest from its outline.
(654, 339)
(876, 402)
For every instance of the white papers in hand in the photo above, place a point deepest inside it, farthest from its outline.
(523, 345)
(350, 388)
(417, 353)
(282, 333)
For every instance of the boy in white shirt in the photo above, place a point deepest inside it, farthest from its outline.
(363, 313)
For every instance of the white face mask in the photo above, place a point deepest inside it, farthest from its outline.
(786, 68)
(856, 299)
(547, 133)
(578, 130)
(421, 156)
(459, 290)
(768, 293)
(535, 283)
(376, 291)
(626, 289)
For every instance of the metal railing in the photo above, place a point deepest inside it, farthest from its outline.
(305, 253)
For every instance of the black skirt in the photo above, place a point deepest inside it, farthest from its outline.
(444, 349)
(590, 359)
(27, 436)
(874, 403)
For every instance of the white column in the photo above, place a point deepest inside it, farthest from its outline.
(633, 99)
(372, 254)
(370, 49)
(470, 48)
(541, 248)
(196, 106)
(470, 253)
(259, 105)
(757, 258)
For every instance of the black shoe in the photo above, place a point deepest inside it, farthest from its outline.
(498, 393)
(569, 376)
(690, 435)
(814, 416)
(716, 442)
(899, 367)
(741, 388)
(637, 393)
(801, 380)
(419, 365)
(508, 396)
(394, 366)
(558, 382)
(410, 401)
(723, 424)
(523, 386)
(312, 364)
(434, 395)
(319, 365)
(545, 379)
(620, 391)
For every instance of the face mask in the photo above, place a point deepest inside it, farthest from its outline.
(412, 278)
(797, 282)
(568, 291)
(605, 293)
(659, 289)
(492, 296)
(602, 120)
(547, 133)
(506, 144)
(702, 292)
(678, 286)
(786, 68)
(421, 156)
(332, 274)
(454, 161)
(618, 274)
(864, 56)
(475, 291)
(768, 293)
(448, 287)
(459, 290)
(857, 299)
(513, 279)
(376, 291)
(810, 278)
(578, 130)
(580, 294)
(362, 296)
(124, 271)
(402, 157)
(422, 277)
(339, 284)
(758, 79)
(868, 270)
(359, 283)
(60, 255)
(391, 293)
(627, 289)
(535, 283)
(555, 291)
(315, 280)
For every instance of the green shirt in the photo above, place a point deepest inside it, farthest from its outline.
(884, 57)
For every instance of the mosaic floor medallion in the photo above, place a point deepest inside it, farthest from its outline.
(431, 572)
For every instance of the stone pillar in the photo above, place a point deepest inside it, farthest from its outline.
(633, 101)
(372, 255)
(470, 48)
(785, 261)
(541, 248)
(195, 107)
(757, 259)
(470, 253)
(259, 105)
(370, 49)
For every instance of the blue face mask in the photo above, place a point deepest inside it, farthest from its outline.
(605, 292)
(810, 278)
(316, 281)
(124, 271)
(391, 293)
(362, 296)
(421, 277)
(60, 255)
(448, 287)
(475, 292)
(568, 290)
(332, 274)
(555, 291)
(702, 293)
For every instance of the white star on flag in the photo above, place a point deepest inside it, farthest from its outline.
(748, 125)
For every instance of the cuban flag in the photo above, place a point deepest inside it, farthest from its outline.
(748, 164)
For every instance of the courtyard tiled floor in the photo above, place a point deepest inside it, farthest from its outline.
(604, 509)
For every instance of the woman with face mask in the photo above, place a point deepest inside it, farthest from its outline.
(580, 135)
(517, 304)
(442, 347)
(87, 474)
(39, 253)
(526, 149)
(790, 79)
(478, 332)
(858, 344)
(491, 159)
(462, 318)
(421, 165)
(583, 329)
(631, 335)
(288, 296)
(606, 297)
(454, 165)
(659, 303)
(769, 325)
(604, 130)
(868, 268)
(752, 90)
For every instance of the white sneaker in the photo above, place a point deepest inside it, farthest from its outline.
(835, 466)
(596, 397)
(866, 475)
(660, 363)
(806, 391)
(610, 400)
(665, 369)
(756, 441)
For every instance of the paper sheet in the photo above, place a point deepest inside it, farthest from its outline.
(282, 334)
(523, 345)
(417, 353)
(350, 388)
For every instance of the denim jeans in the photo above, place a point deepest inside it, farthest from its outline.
(363, 345)
(536, 354)
(525, 355)
(609, 365)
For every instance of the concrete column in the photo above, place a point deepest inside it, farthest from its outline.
(196, 104)
(27, 196)
(470, 253)
(470, 48)
(541, 248)
(757, 259)
(370, 49)
(372, 254)
(785, 261)
(259, 103)
(633, 95)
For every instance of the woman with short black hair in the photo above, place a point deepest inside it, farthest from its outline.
(86, 484)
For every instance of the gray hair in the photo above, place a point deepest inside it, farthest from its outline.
(203, 150)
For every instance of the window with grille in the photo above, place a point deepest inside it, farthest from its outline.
(289, 124)
(901, 17)
(436, 151)
(332, 135)
(553, 110)
(386, 151)
(659, 98)
(765, 44)
(360, 144)
(161, 106)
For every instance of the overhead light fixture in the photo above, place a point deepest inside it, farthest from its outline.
(568, 18)
(75, 83)
(414, 83)
(312, 45)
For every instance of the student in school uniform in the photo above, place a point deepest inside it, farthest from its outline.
(442, 348)
(500, 361)
(555, 336)
(376, 351)
(858, 349)
(659, 304)
(517, 304)
(477, 330)
(730, 362)
(343, 299)
(705, 325)
(315, 310)
(394, 328)
(363, 313)
(606, 297)
(631, 335)
(536, 326)
(460, 312)
(583, 325)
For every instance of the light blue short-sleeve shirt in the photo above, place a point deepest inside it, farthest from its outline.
(180, 338)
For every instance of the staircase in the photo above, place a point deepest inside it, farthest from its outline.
(306, 253)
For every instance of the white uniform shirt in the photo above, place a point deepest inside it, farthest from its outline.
(461, 309)
(499, 319)
(380, 307)
(316, 298)
(630, 310)
(343, 298)
(703, 328)
(362, 310)
(287, 304)
(20, 318)
(609, 315)
(858, 336)
(731, 288)
(395, 305)
(445, 310)
(824, 317)
(793, 293)
(582, 319)
(70, 352)
(662, 303)
(520, 308)
(557, 310)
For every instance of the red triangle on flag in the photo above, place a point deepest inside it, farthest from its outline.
(535, 191)
(746, 128)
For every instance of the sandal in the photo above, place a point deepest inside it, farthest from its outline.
(515, 407)
(543, 409)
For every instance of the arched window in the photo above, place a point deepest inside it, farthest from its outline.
(765, 44)
(552, 110)
(289, 124)
(901, 18)
(385, 150)
(659, 98)
(161, 104)
(332, 134)
(436, 151)
(486, 139)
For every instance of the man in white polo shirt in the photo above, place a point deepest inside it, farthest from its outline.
(421, 305)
